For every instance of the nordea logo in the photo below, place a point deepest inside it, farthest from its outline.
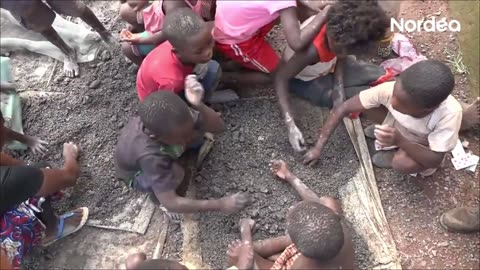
(430, 25)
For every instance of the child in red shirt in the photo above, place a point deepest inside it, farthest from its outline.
(188, 50)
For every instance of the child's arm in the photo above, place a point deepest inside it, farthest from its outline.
(211, 120)
(338, 90)
(336, 115)
(34, 143)
(285, 72)
(423, 155)
(298, 39)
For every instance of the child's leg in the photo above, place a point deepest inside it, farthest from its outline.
(77, 8)
(132, 17)
(404, 164)
(128, 51)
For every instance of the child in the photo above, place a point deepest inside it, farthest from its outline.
(351, 27)
(189, 47)
(316, 237)
(242, 258)
(35, 15)
(420, 119)
(146, 22)
(241, 27)
(150, 144)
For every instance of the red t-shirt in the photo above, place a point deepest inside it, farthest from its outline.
(161, 70)
(320, 43)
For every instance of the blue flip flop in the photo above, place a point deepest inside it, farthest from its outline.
(62, 233)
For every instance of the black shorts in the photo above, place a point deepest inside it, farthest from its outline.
(17, 184)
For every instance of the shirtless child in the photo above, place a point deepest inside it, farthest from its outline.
(35, 15)
(331, 247)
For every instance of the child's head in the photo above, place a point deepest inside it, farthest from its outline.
(315, 230)
(422, 87)
(167, 118)
(355, 27)
(190, 36)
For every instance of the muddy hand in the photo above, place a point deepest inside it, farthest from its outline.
(193, 90)
(311, 157)
(37, 145)
(234, 203)
(386, 135)
(280, 169)
(70, 150)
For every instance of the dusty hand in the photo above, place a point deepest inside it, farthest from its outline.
(316, 5)
(70, 150)
(37, 145)
(295, 137)
(127, 36)
(280, 169)
(312, 156)
(386, 135)
(193, 90)
(234, 203)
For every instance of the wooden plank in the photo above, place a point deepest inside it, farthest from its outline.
(378, 237)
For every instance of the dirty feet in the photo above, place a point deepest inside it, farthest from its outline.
(234, 203)
(70, 66)
(240, 254)
(67, 224)
(471, 114)
(247, 224)
(461, 219)
(383, 159)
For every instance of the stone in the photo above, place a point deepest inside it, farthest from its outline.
(94, 84)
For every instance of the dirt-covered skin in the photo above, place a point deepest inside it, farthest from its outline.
(240, 161)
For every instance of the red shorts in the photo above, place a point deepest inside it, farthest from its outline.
(254, 53)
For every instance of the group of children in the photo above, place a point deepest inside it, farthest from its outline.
(174, 41)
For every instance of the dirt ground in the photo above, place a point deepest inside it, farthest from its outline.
(91, 110)
(240, 162)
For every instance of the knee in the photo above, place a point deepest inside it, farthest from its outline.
(404, 164)
(127, 14)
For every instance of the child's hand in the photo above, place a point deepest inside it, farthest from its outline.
(127, 36)
(37, 145)
(295, 137)
(386, 135)
(193, 90)
(280, 169)
(312, 156)
(316, 5)
(234, 203)
(70, 150)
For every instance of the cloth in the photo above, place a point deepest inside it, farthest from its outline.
(322, 67)
(287, 258)
(407, 54)
(21, 230)
(153, 16)
(161, 70)
(17, 184)
(238, 21)
(438, 130)
(254, 53)
(142, 50)
(145, 163)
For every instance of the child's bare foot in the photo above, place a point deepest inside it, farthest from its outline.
(70, 151)
(133, 260)
(240, 254)
(70, 66)
(471, 114)
(280, 169)
(235, 202)
(67, 224)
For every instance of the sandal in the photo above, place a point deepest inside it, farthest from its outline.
(62, 233)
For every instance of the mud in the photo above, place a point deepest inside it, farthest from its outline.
(240, 161)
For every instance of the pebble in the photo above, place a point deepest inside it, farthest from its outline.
(106, 55)
(120, 125)
(264, 190)
(465, 144)
(443, 244)
(94, 84)
(261, 138)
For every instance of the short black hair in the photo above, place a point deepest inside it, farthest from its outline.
(315, 230)
(162, 112)
(428, 83)
(357, 25)
(159, 264)
(180, 25)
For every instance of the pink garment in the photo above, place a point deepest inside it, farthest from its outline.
(238, 21)
(408, 55)
(153, 17)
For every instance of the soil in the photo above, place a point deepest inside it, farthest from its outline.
(89, 111)
(240, 162)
